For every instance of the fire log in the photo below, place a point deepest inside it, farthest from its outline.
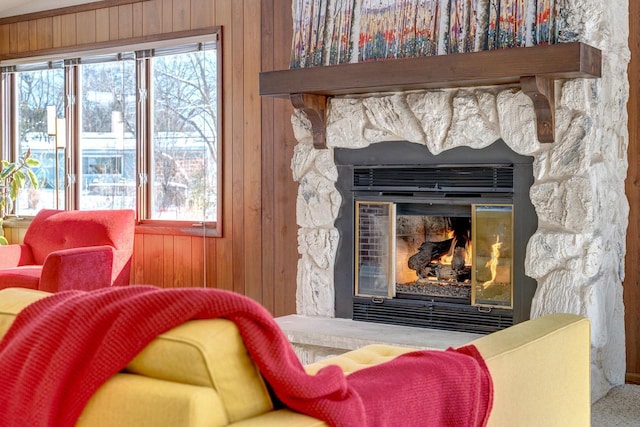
(428, 252)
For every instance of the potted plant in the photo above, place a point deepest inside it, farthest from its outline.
(13, 177)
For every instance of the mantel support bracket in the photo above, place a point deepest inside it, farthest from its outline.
(541, 91)
(315, 107)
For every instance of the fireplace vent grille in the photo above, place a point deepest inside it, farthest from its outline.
(491, 178)
(432, 314)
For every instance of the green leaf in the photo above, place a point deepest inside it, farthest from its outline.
(32, 163)
(8, 169)
(3, 240)
(19, 178)
(13, 194)
(32, 178)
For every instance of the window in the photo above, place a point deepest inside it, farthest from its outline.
(107, 137)
(38, 91)
(184, 136)
(128, 129)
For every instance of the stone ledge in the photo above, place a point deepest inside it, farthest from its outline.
(316, 338)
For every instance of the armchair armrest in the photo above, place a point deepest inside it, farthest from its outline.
(84, 268)
(15, 255)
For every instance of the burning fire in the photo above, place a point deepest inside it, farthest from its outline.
(493, 262)
(448, 257)
(454, 260)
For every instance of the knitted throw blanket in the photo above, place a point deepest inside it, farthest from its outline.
(60, 349)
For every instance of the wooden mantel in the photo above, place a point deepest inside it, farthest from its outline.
(534, 69)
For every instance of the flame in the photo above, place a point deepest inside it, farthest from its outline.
(404, 251)
(448, 257)
(493, 262)
(403, 273)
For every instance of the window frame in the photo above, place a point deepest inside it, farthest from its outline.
(72, 186)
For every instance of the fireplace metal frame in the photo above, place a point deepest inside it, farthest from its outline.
(422, 312)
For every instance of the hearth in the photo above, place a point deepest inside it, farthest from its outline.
(434, 241)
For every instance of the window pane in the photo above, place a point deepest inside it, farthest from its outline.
(107, 135)
(185, 137)
(35, 91)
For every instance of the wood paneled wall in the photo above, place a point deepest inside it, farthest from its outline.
(256, 254)
(632, 260)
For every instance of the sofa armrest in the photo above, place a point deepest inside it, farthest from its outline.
(540, 371)
(83, 268)
(15, 255)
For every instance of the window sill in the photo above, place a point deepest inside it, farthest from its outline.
(17, 222)
(177, 230)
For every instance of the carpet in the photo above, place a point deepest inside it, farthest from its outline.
(619, 408)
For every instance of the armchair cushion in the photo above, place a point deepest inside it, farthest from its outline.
(21, 277)
(15, 255)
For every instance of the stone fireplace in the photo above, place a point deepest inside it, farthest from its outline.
(436, 241)
(575, 254)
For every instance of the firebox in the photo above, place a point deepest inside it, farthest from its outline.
(434, 241)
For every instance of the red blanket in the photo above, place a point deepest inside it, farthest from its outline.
(62, 348)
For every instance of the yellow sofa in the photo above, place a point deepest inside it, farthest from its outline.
(200, 374)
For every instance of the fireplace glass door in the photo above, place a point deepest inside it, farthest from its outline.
(456, 252)
(375, 249)
(492, 276)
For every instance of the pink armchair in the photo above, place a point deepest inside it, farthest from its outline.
(71, 250)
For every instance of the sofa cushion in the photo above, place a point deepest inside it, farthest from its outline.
(133, 400)
(366, 356)
(12, 300)
(281, 417)
(210, 353)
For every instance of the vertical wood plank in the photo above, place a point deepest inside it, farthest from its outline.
(114, 23)
(125, 21)
(237, 145)
(631, 285)
(13, 37)
(68, 29)
(183, 262)
(203, 13)
(44, 29)
(268, 190)
(153, 263)
(137, 262)
(103, 22)
(5, 46)
(137, 20)
(21, 233)
(225, 247)
(56, 22)
(285, 227)
(86, 27)
(33, 35)
(210, 257)
(252, 178)
(168, 262)
(197, 262)
(181, 15)
(22, 36)
(167, 16)
(151, 17)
